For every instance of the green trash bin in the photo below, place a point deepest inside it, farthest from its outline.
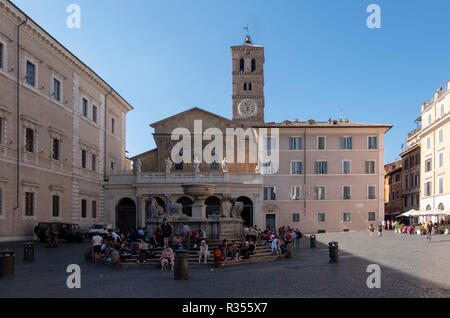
(334, 252)
(312, 241)
(7, 263)
(181, 269)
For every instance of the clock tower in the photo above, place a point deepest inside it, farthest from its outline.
(248, 82)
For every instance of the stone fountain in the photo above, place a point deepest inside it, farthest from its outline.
(225, 223)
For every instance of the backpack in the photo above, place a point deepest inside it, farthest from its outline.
(217, 255)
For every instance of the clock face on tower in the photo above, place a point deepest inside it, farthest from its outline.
(247, 108)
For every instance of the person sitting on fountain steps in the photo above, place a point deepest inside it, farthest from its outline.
(143, 249)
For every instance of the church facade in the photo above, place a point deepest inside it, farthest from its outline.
(327, 176)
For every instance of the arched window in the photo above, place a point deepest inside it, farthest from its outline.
(249, 86)
(245, 86)
(241, 65)
(253, 65)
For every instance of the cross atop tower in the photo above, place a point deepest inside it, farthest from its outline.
(248, 39)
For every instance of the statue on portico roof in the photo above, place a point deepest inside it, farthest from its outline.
(225, 164)
(168, 165)
(138, 165)
(197, 163)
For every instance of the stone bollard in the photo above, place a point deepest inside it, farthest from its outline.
(181, 270)
(334, 252)
(290, 250)
(312, 241)
(28, 252)
(115, 259)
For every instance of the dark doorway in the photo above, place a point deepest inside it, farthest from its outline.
(270, 221)
(212, 205)
(126, 215)
(247, 211)
(187, 205)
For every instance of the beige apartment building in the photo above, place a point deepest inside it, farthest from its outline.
(393, 190)
(411, 172)
(435, 151)
(62, 131)
(330, 178)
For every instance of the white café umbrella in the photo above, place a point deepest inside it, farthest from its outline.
(410, 213)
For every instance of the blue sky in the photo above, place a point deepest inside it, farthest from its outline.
(321, 59)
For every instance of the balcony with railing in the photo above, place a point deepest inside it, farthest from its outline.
(414, 131)
(185, 177)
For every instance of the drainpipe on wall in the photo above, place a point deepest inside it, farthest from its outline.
(304, 171)
(104, 136)
(17, 125)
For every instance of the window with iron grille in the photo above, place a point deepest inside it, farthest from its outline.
(83, 159)
(94, 162)
(321, 217)
(94, 113)
(346, 217)
(83, 208)
(94, 209)
(29, 204)
(56, 150)
(29, 140)
(55, 205)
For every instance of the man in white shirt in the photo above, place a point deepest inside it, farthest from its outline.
(275, 246)
(97, 242)
(114, 235)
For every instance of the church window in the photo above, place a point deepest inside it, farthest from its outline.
(241, 66)
(253, 65)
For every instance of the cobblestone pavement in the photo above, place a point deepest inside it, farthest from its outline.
(410, 267)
